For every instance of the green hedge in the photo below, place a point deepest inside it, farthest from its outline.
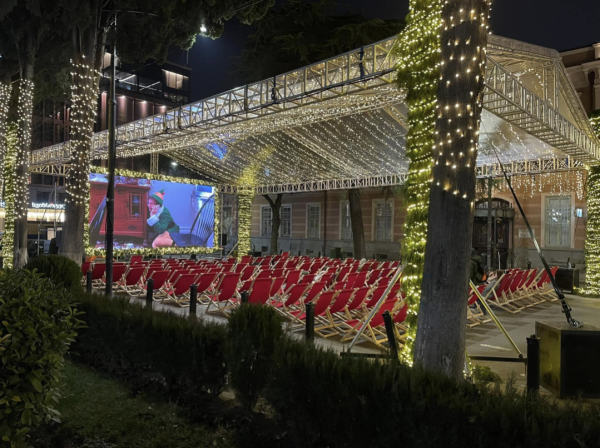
(327, 400)
(61, 270)
(38, 324)
(159, 351)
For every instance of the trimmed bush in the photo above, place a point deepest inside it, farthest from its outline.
(325, 399)
(254, 331)
(38, 324)
(61, 270)
(159, 352)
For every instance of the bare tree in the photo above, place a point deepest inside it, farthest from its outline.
(276, 220)
(358, 231)
(440, 343)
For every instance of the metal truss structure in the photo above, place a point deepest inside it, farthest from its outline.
(526, 87)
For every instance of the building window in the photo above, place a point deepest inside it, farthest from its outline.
(266, 220)
(175, 80)
(383, 220)
(286, 221)
(43, 196)
(346, 221)
(313, 228)
(557, 232)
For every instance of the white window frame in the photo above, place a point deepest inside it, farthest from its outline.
(343, 204)
(374, 219)
(306, 233)
(571, 220)
(291, 221)
(262, 209)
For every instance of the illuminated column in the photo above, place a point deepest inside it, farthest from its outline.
(418, 51)
(244, 222)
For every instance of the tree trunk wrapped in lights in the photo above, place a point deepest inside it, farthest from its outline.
(440, 342)
(244, 222)
(5, 91)
(418, 51)
(21, 180)
(9, 196)
(592, 239)
(84, 92)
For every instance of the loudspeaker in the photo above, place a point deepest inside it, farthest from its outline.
(569, 359)
(567, 279)
(223, 239)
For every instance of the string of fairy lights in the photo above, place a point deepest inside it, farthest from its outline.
(21, 181)
(418, 49)
(8, 239)
(5, 92)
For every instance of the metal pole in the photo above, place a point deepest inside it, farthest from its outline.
(389, 329)
(489, 225)
(533, 364)
(88, 279)
(310, 321)
(193, 299)
(495, 319)
(112, 152)
(377, 306)
(149, 292)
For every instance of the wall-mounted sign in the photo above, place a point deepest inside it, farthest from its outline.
(40, 205)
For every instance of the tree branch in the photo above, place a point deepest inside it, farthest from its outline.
(266, 196)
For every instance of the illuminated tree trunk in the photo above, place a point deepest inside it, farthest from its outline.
(440, 342)
(276, 220)
(592, 238)
(356, 220)
(87, 61)
(8, 249)
(21, 180)
(5, 91)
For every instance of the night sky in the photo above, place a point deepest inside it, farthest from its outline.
(558, 24)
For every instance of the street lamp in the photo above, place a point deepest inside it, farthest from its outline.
(203, 29)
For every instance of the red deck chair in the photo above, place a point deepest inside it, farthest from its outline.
(98, 272)
(240, 267)
(85, 267)
(276, 289)
(179, 292)
(225, 293)
(292, 277)
(247, 273)
(371, 333)
(266, 273)
(118, 272)
(328, 322)
(136, 259)
(308, 278)
(205, 282)
(260, 291)
(339, 286)
(276, 273)
(500, 298)
(316, 289)
(298, 318)
(292, 298)
(246, 259)
(130, 283)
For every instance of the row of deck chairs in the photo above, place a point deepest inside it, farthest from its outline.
(514, 291)
(343, 291)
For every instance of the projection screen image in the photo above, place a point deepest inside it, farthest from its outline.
(152, 213)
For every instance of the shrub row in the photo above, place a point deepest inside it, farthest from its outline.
(333, 401)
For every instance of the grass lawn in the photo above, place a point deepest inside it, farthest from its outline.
(98, 412)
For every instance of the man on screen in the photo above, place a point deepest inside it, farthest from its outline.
(161, 220)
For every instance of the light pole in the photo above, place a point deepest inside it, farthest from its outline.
(112, 155)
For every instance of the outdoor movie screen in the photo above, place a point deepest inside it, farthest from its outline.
(152, 213)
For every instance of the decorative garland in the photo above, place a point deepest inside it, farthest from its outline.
(5, 92)
(154, 251)
(244, 222)
(417, 75)
(8, 239)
